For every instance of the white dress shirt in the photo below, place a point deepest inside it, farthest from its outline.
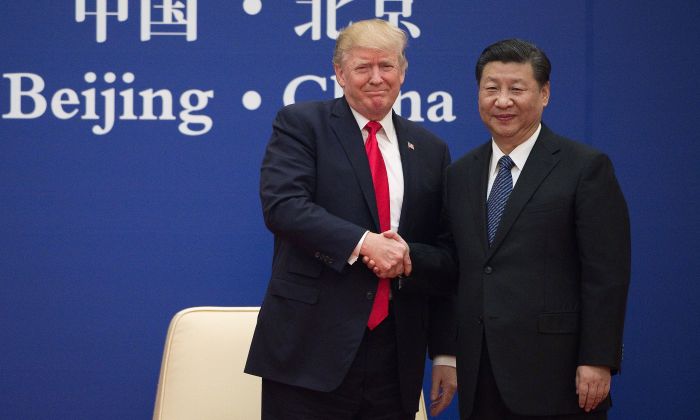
(519, 156)
(389, 146)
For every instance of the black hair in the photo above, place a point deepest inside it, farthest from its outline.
(516, 51)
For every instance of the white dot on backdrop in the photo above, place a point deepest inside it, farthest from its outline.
(252, 7)
(252, 100)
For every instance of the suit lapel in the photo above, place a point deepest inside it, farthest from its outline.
(349, 135)
(480, 180)
(543, 158)
(407, 167)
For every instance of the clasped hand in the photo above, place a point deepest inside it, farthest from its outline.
(386, 254)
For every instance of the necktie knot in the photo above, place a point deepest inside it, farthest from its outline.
(373, 127)
(505, 162)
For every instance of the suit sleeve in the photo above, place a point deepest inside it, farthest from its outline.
(287, 187)
(434, 267)
(435, 274)
(442, 326)
(603, 235)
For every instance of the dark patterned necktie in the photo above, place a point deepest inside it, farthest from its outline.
(500, 191)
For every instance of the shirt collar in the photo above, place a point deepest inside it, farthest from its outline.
(519, 154)
(387, 123)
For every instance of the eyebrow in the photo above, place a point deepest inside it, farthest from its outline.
(495, 79)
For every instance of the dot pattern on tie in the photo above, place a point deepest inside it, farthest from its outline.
(500, 191)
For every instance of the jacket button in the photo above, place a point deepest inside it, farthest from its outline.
(370, 295)
(480, 320)
(488, 269)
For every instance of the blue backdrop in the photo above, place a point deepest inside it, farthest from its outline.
(131, 137)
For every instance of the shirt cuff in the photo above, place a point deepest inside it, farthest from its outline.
(445, 360)
(356, 252)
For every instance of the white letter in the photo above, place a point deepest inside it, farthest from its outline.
(109, 96)
(64, 97)
(186, 115)
(291, 90)
(89, 95)
(414, 100)
(128, 96)
(34, 93)
(445, 106)
(166, 100)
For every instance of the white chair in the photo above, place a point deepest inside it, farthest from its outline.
(201, 376)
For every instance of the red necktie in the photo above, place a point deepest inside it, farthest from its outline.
(380, 307)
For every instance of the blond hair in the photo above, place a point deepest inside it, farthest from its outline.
(371, 33)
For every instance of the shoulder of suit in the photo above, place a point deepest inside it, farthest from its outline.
(305, 113)
(567, 145)
(472, 155)
(418, 133)
(308, 107)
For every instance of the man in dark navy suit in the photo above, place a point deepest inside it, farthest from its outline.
(343, 180)
(542, 237)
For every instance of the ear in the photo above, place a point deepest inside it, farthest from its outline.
(544, 94)
(339, 75)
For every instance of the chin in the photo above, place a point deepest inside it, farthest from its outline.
(379, 110)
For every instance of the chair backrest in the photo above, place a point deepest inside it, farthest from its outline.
(201, 375)
(422, 414)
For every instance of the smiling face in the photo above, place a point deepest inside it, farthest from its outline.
(371, 79)
(511, 102)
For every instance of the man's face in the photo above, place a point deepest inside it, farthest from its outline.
(511, 101)
(371, 79)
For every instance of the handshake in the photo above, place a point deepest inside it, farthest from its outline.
(386, 254)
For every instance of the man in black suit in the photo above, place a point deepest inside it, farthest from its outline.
(320, 347)
(541, 232)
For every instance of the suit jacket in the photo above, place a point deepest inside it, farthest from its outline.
(550, 294)
(318, 200)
